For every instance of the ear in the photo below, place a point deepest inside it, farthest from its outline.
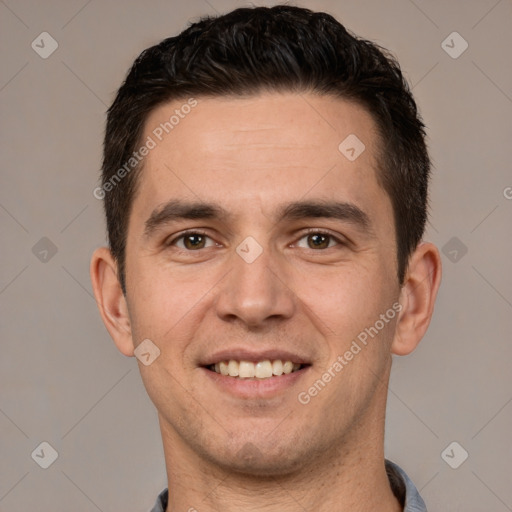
(417, 298)
(111, 300)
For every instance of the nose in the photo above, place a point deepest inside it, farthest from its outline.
(256, 292)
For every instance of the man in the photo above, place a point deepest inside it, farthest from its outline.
(265, 182)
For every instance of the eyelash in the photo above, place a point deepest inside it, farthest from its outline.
(310, 231)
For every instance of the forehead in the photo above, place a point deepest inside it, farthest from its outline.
(262, 150)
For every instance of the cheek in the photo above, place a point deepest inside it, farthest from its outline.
(345, 299)
(156, 304)
(167, 306)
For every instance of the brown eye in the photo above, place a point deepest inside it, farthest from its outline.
(191, 241)
(194, 241)
(319, 240)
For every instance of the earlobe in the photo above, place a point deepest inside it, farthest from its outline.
(111, 300)
(417, 298)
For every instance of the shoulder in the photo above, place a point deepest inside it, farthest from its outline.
(404, 488)
(161, 502)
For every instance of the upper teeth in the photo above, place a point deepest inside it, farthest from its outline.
(260, 370)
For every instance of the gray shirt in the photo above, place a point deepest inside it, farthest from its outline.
(401, 484)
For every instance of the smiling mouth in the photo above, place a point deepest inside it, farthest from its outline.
(265, 369)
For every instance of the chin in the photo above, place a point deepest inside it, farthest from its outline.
(254, 461)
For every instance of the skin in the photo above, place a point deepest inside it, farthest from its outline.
(252, 155)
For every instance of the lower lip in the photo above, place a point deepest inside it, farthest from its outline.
(256, 388)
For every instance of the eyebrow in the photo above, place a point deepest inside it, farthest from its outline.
(178, 210)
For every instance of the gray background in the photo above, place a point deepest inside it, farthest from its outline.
(61, 378)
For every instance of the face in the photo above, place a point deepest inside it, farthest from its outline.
(254, 238)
